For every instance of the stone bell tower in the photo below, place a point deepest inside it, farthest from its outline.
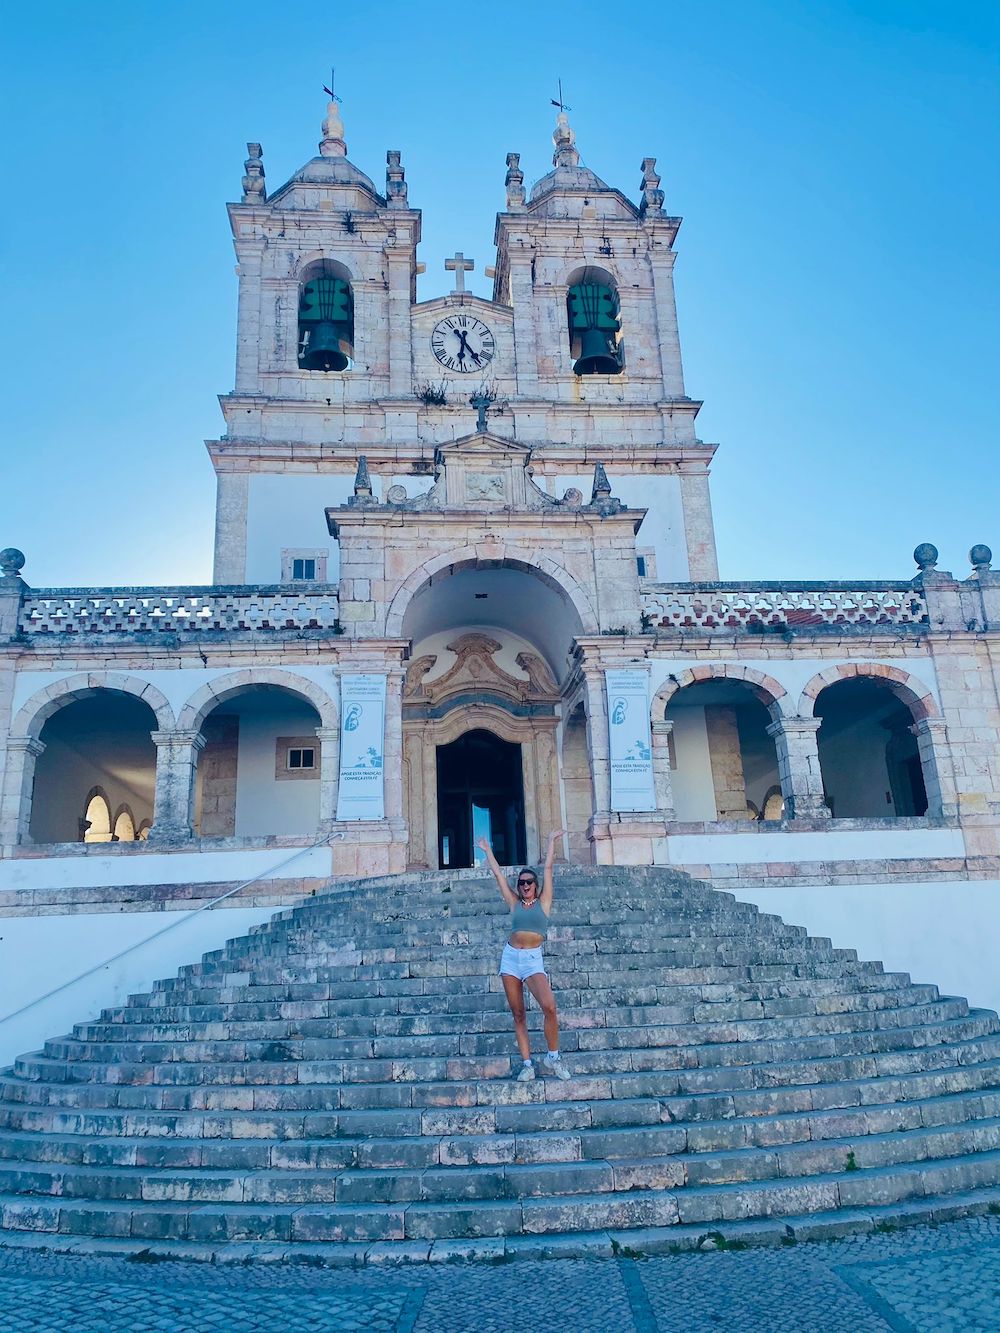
(589, 277)
(327, 278)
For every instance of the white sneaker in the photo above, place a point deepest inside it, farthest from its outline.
(527, 1073)
(557, 1068)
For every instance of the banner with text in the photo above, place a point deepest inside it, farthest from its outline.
(630, 751)
(362, 744)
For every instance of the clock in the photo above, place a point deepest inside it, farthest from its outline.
(463, 343)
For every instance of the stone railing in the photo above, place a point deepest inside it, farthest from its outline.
(724, 607)
(71, 611)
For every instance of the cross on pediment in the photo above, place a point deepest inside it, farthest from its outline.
(459, 266)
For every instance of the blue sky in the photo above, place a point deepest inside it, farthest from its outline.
(835, 164)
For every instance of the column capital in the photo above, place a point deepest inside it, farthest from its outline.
(25, 745)
(177, 739)
(792, 726)
(328, 733)
(662, 728)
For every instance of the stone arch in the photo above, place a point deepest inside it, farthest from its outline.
(907, 688)
(769, 691)
(33, 715)
(202, 702)
(310, 261)
(530, 562)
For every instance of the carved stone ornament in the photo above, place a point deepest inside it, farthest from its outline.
(475, 669)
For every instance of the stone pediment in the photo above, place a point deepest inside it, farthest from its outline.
(476, 670)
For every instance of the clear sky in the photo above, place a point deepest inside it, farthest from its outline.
(835, 164)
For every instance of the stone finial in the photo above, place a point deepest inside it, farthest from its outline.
(926, 557)
(515, 183)
(253, 179)
(11, 562)
(564, 139)
(362, 481)
(652, 195)
(395, 180)
(332, 143)
(980, 557)
(602, 487)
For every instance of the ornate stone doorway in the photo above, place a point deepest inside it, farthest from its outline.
(480, 793)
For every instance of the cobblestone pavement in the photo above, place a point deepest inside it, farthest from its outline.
(943, 1279)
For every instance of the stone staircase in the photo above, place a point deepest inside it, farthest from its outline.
(336, 1084)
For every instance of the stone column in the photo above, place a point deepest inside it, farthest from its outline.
(522, 298)
(176, 764)
(248, 321)
(666, 325)
(19, 778)
(598, 741)
(936, 766)
(662, 782)
(400, 330)
(393, 761)
(232, 497)
(699, 526)
(329, 779)
(798, 767)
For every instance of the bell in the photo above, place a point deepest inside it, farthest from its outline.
(323, 347)
(598, 354)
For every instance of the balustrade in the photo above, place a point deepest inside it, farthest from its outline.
(177, 610)
(723, 607)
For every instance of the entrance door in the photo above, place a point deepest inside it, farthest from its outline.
(480, 794)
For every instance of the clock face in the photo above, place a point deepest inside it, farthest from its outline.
(463, 343)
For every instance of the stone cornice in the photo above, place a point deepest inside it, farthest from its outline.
(489, 520)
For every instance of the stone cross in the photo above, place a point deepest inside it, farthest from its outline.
(482, 402)
(459, 266)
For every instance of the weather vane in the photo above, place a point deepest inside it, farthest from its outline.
(560, 104)
(333, 96)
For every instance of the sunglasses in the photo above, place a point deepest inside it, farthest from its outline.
(526, 881)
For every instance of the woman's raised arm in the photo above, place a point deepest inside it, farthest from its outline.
(509, 896)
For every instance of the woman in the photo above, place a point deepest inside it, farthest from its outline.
(521, 963)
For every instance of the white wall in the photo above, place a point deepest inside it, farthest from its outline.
(663, 526)
(886, 844)
(38, 954)
(944, 933)
(142, 865)
(264, 803)
(694, 790)
(288, 510)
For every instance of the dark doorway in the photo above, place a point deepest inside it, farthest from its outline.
(480, 794)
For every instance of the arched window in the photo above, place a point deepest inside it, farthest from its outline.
(593, 314)
(124, 826)
(326, 318)
(95, 826)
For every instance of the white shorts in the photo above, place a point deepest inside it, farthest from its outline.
(521, 963)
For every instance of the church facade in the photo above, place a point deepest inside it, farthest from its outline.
(465, 583)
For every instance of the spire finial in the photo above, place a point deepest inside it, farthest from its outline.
(362, 481)
(332, 144)
(253, 180)
(652, 195)
(563, 136)
(514, 183)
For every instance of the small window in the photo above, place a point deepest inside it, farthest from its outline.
(645, 562)
(296, 757)
(303, 564)
(640, 564)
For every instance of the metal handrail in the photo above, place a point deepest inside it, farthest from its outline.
(187, 916)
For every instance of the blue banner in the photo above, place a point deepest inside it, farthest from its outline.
(361, 794)
(630, 751)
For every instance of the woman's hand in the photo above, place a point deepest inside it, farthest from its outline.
(555, 835)
(484, 845)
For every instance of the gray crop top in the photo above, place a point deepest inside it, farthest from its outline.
(531, 918)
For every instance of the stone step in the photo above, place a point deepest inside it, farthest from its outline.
(310, 1018)
(792, 990)
(530, 1216)
(461, 1043)
(433, 979)
(339, 1078)
(652, 1159)
(647, 1131)
(585, 1100)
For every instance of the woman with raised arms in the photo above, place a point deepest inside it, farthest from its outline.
(521, 963)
